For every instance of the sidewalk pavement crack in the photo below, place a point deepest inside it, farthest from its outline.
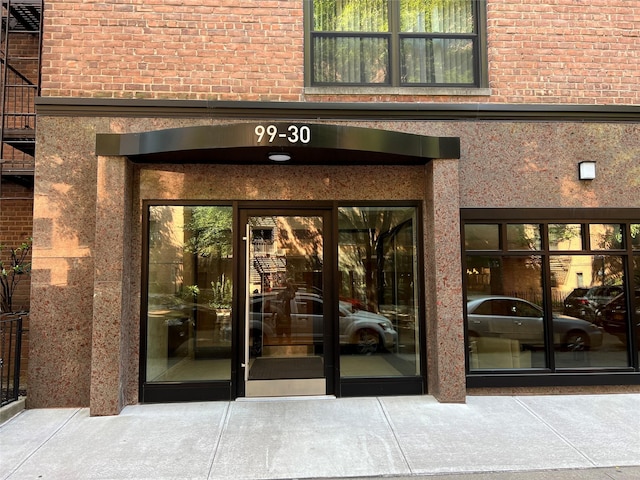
(39, 447)
(560, 435)
(222, 427)
(395, 437)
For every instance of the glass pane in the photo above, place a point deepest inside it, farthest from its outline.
(286, 331)
(523, 236)
(505, 320)
(350, 59)
(565, 236)
(586, 289)
(481, 237)
(636, 307)
(428, 16)
(605, 236)
(350, 16)
(379, 297)
(437, 60)
(635, 236)
(190, 283)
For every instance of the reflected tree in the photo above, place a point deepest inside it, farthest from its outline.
(209, 239)
(371, 235)
(210, 231)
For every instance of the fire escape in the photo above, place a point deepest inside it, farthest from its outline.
(20, 61)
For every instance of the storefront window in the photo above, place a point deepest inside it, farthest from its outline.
(189, 292)
(635, 236)
(481, 237)
(523, 236)
(636, 308)
(605, 237)
(379, 302)
(588, 292)
(505, 319)
(565, 236)
(558, 297)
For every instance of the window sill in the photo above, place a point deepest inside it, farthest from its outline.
(413, 91)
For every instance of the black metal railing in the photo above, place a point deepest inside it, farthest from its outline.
(10, 352)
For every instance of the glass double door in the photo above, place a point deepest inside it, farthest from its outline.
(286, 347)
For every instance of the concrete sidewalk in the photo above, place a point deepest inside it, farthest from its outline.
(492, 437)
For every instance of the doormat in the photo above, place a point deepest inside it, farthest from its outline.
(282, 368)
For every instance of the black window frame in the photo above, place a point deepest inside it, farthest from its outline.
(553, 376)
(394, 40)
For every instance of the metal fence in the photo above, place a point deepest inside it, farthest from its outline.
(10, 352)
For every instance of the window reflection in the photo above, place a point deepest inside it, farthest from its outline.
(636, 307)
(587, 320)
(481, 237)
(523, 236)
(377, 261)
(588, 289)
(189, 293)
(605, 236)
(565, 236)
(505, 323)
(635, 236)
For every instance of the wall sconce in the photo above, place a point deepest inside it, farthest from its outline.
(587, 170)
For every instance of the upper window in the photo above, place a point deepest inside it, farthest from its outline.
(395, 42)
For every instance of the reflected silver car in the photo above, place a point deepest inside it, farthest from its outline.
(518, 319)
(367, 332)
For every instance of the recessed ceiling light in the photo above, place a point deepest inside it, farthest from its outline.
(279, 157)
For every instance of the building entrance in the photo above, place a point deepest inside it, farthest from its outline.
(286, 324)
(258, 300)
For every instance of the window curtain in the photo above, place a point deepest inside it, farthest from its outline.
(428, 59)
(350, 56)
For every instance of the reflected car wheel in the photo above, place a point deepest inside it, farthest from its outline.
(576, 341)
(367, 341)
(255, 343)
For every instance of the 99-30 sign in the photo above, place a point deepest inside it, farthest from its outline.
(291, 133)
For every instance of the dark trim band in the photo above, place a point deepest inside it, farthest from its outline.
(100, 107)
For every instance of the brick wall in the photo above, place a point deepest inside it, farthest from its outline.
(565, 51)
(16, 225)
(540, 51)
(186, 49)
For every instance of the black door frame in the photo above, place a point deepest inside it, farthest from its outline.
(242, 214)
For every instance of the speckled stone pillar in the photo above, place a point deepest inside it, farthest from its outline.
(111, 286)
(445, 324)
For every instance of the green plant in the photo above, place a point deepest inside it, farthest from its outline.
(222, 293)
(12, 271)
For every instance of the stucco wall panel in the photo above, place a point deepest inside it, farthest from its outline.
(280, 182)
(516, 165)
(63, 263)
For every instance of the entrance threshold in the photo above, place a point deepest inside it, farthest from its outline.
(286, 399)
(286, 388)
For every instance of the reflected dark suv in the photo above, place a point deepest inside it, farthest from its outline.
(614, 317)
(588, 305)
(576, 305)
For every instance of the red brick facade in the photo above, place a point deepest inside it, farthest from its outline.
(16, 226)
(560, 51)
(225, 50)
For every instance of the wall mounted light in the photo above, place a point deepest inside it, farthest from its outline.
(279, 157)
(587, 170)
